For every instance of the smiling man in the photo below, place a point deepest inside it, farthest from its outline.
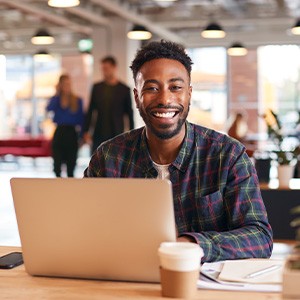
(217, 200)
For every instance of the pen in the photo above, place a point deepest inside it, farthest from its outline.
(263, 271)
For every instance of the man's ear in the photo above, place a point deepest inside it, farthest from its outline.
(136, 98)
(190, 94)
(190, 91)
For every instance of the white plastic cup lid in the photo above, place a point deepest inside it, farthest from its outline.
(180, 256)
(179, 249)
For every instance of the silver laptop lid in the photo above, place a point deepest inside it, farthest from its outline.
(100, 228)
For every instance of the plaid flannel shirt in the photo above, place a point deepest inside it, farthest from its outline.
(217, 200)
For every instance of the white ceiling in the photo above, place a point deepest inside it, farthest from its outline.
(252, 22)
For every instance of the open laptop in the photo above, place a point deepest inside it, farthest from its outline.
(100, 228)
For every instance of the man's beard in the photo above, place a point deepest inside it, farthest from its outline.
(165, 134)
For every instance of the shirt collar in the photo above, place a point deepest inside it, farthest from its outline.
(146, 160)
(182, 160)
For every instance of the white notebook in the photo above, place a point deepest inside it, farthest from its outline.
(237, 271)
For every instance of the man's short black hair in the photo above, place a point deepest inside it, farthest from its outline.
(109, 59)
(162, 49)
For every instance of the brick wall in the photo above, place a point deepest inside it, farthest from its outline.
(243, 87)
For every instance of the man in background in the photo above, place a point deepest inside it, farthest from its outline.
(109, 106)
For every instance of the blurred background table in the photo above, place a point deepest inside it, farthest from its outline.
(279, 202)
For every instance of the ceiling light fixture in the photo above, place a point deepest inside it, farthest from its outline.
(42, 55)
(213, 31)
(296, 28)
(42, 37)
(139, 32)
(63, 3)
(237, 49)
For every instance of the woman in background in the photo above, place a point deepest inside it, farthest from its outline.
(238, 128)
(68, 116)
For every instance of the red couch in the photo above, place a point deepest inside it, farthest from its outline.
(26, 146)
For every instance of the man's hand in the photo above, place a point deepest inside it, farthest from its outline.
(87, 138)
(186, 239)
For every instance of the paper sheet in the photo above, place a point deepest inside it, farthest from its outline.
(243, 287)
(215, 269)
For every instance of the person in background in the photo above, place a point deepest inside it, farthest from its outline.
(110, 102)
(68, 115)
(238, 128)
(217, 200)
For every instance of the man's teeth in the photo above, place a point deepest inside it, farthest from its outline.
(165, 115)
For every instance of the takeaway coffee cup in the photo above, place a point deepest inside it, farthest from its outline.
(179, 269)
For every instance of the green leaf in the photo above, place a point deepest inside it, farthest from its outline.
(295, 223)
(295, 210)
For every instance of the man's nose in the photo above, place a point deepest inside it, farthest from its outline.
(164, 97)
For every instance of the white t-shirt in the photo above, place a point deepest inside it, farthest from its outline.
(163, 171)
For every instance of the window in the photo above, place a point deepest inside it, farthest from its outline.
(25, 86)
(279, 80)
(209, 98)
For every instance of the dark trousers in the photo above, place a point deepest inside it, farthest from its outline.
(65, 149)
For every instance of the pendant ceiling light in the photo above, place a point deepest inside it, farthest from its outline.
(42, 37)
(237, 49)
(213, 31)
(63, 3)
(42, 55)
(296, 28)
(139, 33)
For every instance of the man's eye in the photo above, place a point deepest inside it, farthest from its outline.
(151, 89)
(176, 88)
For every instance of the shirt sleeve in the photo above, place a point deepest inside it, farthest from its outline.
(89, 114)
(249, 234)
(52, 104)
(96, 167)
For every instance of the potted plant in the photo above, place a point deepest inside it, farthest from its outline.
(285, 154)
(291, 271)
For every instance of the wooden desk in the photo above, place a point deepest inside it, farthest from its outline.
(17, 284)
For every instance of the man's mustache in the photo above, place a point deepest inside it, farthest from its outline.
(161, 106)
